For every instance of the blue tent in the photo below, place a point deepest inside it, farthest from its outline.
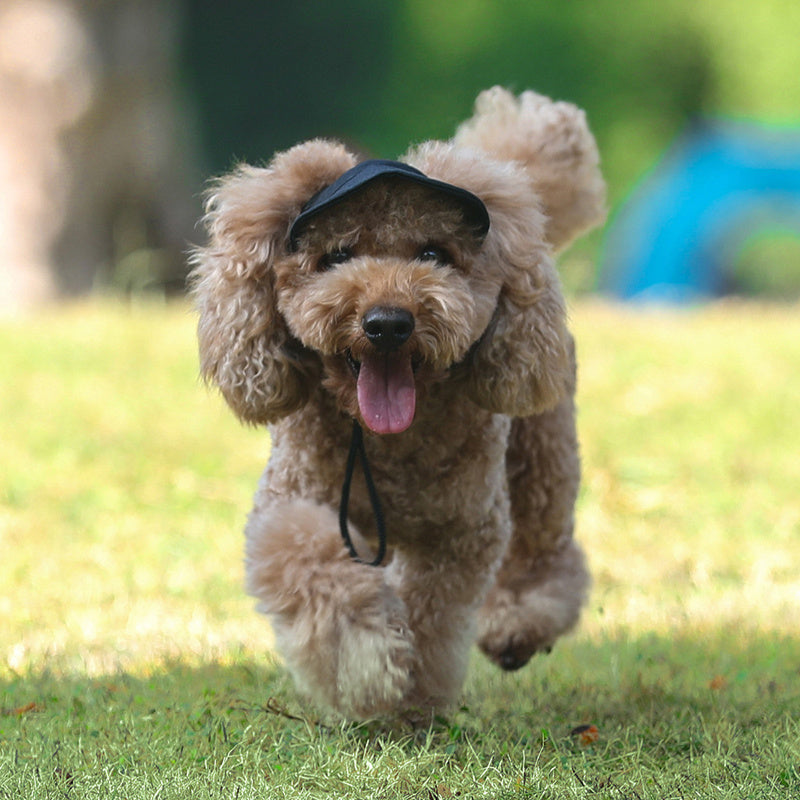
(676, 236)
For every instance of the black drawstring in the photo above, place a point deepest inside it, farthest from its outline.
(357, 448)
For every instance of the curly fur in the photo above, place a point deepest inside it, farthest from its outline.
(479, 490)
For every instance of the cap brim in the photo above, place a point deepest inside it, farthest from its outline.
(366, 172)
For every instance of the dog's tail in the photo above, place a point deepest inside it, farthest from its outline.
(553, 142)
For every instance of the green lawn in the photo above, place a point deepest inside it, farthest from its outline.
(133, 666)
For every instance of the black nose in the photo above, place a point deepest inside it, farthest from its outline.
(387, 328)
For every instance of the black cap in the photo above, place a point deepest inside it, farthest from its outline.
(360, 175)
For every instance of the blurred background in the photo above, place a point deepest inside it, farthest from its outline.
(113, 114)
(124, 486)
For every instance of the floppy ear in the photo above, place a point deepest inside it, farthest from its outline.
(523, 363)
(245, 346)
(553, 143)
(551, 191)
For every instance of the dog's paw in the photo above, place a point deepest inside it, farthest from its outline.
(375, 668)
(357, 659)
(512, 641)
(532, 605)
(514, 626)
(512, 655)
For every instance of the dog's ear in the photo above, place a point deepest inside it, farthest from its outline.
(551, 191)
(245, 346)
(553, 143)
(523, 364)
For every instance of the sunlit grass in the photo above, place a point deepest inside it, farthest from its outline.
(124, 486)
(133, 665)
(691, 445)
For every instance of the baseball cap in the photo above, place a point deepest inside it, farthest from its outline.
(366, 172)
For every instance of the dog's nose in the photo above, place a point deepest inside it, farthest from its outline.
(387, 328)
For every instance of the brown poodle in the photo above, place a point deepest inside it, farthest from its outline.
(428, 309)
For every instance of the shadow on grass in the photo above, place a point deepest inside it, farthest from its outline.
(582, 680)
(655, 699)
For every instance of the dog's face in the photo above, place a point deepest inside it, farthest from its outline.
(381, 294)
(389, 289)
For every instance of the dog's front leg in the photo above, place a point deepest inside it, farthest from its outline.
(442, 582)
(340, 626)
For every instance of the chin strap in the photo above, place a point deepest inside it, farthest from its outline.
(357, 449)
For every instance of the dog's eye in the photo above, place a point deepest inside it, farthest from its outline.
(432, 252)
(334, 257)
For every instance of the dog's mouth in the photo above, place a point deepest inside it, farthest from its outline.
(386, 389)
(355, 366)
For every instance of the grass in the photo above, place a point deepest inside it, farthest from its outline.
(133, 666)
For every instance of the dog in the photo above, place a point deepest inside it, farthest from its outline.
(418, 300)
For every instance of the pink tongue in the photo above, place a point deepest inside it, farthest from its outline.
(386, 393)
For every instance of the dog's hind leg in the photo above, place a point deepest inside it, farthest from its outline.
(543, 580)
(341, 628)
